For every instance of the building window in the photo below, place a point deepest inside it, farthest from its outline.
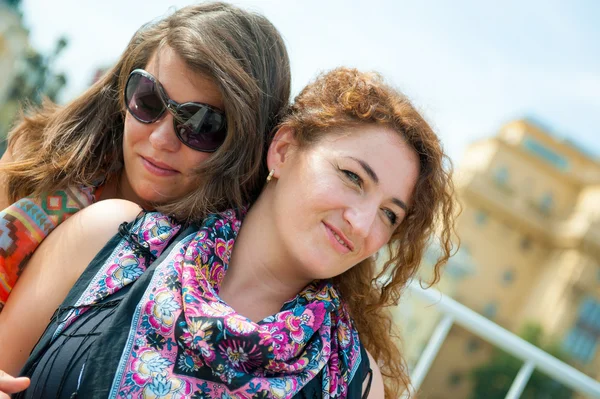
(490, 310)
(508, 276)
(461, 265)
(501, 176)
(548, 155)
(546, 203)
(481, 217)
(473, 345)
(454, 378)
(581, 342)
(525, 244)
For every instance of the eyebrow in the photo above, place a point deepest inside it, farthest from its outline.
(369, 171)
(400, 203)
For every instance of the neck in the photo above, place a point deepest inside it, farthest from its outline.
(118, 187)
(260, 277)
(110, 189)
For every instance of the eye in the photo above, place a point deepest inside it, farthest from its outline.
(393, 218)
(353, 177)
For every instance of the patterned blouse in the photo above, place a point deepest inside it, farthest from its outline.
(25, 224)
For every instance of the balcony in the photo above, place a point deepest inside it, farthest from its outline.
(532, 356)
(579, 230)
(502, 198)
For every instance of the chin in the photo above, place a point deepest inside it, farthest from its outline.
(317, 265)
(152, 192)
(321, 272)
(151, 197)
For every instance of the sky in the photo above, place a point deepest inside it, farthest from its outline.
(468, 65)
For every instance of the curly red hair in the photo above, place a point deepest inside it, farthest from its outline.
(348, 97)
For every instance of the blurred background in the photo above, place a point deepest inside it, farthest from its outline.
(513, 90)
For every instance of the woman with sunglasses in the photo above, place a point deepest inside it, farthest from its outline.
(285, 304)
(179, 124)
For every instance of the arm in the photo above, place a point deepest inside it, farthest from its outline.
(377, 390)
(50, 274)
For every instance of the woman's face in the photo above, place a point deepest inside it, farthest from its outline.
(338, 201)
(158, 167)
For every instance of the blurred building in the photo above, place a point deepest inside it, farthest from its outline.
(28, 75)
(14, 43)
(530, 237)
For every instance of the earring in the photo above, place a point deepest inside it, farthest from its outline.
(270, 177)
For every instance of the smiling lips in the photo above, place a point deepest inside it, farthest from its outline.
(158, 168)
(339, 240)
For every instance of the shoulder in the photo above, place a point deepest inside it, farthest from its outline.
(89, 229)
(377, 388)
(104, 215)
(76, 241)
(51, 273)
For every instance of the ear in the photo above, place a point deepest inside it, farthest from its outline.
(282, 147)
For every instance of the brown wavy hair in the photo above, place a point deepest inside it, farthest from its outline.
(348, 97)
(81, 143)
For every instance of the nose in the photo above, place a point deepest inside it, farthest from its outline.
(361, 217)
(163, 136)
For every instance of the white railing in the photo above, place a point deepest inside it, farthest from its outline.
(532, 356)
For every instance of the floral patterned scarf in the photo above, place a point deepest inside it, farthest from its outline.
(184, 341)
(24, 224)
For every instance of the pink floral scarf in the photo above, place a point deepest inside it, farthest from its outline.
(184, 341)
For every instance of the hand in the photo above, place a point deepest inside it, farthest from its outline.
(10, 384)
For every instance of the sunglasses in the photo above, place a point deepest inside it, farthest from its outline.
(198, 126)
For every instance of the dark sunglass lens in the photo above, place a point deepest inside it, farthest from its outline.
(200, 127)
(142, 99)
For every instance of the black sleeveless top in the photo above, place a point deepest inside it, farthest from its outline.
(79, 363)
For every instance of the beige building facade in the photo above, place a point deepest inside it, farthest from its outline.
(530, 231)
(14, 43)
(13, 46)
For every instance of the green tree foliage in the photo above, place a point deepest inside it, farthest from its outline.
(493, 379)
(38, 79)
(12, 3)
